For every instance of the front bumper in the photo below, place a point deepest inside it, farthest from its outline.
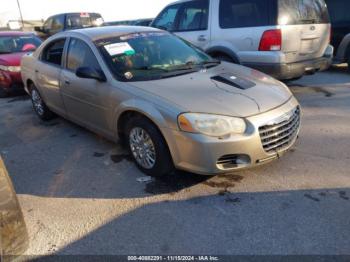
(204, 155)
(293, 70)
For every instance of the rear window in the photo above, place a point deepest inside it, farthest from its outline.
(83, 20)
(296, 12)
(245, 13)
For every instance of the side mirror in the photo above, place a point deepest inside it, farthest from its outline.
(91, 73)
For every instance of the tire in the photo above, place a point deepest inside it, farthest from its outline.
(153, 144)
(39, 106)
(3, 93)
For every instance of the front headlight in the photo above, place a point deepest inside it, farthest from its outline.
(14, 69)
(211, 125)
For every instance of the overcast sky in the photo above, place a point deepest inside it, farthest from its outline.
(111, 10)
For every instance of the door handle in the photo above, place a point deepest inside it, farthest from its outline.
(202, 38)
(36, 71)
(67, 82)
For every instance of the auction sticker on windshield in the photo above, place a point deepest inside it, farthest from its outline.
(122, 48)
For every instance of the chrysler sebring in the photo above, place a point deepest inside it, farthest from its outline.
(171, 104)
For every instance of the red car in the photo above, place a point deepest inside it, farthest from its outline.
(13, 45)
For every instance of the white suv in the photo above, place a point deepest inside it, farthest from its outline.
(284, 38)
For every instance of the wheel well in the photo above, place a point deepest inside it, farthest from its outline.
(29, 84)
(125, 116)
(222, 54)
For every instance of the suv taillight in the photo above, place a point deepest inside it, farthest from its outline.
(271, 40)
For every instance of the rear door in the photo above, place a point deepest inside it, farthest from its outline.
(305, 29)
(48, 72)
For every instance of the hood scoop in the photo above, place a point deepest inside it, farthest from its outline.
(234, 81)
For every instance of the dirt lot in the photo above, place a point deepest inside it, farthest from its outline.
(80, 194)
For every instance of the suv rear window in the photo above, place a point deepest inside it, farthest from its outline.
(245, 13)
(296, 12)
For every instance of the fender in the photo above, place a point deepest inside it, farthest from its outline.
(143, 107)
(344, 49)
(225, 50)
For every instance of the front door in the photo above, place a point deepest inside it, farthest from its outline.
(84, 98)
(193, 23)
(188, 20)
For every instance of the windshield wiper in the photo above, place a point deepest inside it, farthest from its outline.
(146, 68)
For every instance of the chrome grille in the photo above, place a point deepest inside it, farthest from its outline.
(276, 137)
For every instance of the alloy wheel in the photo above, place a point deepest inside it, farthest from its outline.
(37, 102)
(142, 147)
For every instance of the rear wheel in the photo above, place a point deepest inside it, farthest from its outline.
(39, 106)
(148, 147)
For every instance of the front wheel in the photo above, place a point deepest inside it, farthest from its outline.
(148, 147)
(39, 106)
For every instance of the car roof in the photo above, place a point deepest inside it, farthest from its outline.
(96, 33)
(15, 33)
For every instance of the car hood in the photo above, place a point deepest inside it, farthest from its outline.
(11, 59)
(210, 91)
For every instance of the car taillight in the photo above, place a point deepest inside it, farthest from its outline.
(271, 40)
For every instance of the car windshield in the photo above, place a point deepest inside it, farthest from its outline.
(15, 44)
(151, 55)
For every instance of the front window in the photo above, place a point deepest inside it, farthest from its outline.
(166, 19)
(151, 55)
(15, 44)
(194, 16)
(80, 55)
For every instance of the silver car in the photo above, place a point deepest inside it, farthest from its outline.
(283, 38)
(172, 104)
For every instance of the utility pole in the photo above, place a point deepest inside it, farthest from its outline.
(20, 12)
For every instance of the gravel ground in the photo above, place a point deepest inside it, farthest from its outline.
(81, 194)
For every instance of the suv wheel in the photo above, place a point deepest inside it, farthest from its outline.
(39, 106)
(148, 147)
